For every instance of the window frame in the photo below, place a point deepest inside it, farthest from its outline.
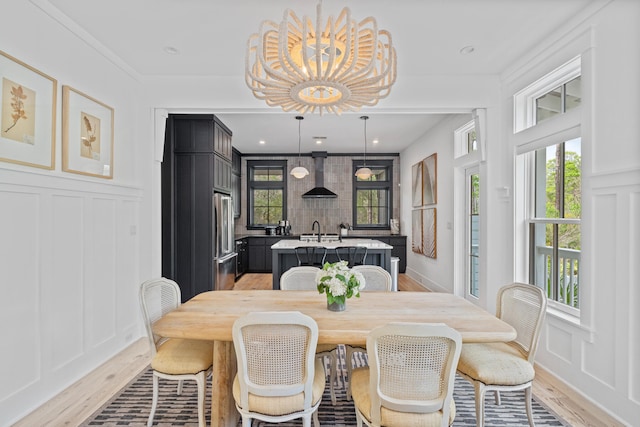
(252, 185)
(552, 131)
(372, 185)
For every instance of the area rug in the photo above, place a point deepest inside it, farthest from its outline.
(131, 405)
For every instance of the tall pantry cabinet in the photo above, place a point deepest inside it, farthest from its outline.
(197, 162)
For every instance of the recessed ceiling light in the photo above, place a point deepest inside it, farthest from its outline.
(375, 141)
(171, 50)
(319, 139)
(262, 142)
(467, 50)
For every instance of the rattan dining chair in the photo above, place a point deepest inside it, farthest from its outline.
(410, 377)
(173, 358)
(507, 366)
(279, 378)
(376, 279)
(303, 278)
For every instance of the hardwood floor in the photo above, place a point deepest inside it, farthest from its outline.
(79, 401)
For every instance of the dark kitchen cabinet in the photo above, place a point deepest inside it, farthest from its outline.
(236, 182)
(259, 253)
(399, 250)
(243, 257)
(191, 170)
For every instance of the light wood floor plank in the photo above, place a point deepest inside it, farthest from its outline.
(79, 401)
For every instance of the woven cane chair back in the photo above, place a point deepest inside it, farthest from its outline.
(157, 298)
(302, 278)
(376, 278)
(276, 355)
(523, 307)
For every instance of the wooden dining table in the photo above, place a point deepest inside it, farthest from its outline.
(210, 316)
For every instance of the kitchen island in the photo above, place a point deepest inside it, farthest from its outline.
(284, 255)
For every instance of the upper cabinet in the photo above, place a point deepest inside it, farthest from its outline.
(222, 141)
(236, 180)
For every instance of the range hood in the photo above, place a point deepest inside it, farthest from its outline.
(319, 191)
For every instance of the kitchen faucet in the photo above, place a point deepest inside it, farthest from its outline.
(313, 226)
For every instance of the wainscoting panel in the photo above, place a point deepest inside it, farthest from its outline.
(559, 342)
(127, 261)
(63, 291)
(603, 279)
(19, 273)
(69, 268)
(634, 298)
(100, 284)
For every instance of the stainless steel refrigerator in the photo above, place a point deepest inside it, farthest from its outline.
(224, 255)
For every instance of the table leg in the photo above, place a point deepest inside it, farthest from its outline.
(223, 407)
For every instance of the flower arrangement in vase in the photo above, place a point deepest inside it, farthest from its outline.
(339, 282)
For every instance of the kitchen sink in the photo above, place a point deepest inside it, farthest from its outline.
(323, 238)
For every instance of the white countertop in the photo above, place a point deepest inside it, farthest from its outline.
(368, 243)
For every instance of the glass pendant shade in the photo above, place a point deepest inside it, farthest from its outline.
(299, 172)
(364, 173)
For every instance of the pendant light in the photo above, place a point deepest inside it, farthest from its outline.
(364, 172)
(299, 171)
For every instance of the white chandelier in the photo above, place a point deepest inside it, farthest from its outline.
(337, 66)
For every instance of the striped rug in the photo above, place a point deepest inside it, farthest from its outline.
(130, 406)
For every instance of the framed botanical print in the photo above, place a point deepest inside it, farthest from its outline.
(27, 114)
(87, 135)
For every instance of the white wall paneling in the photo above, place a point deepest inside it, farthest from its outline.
(69, 271)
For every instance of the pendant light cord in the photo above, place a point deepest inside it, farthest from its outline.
(365, 118)
(299, 118)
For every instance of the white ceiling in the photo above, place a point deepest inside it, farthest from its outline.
(211, 37)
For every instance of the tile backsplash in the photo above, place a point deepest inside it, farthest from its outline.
(301, 213)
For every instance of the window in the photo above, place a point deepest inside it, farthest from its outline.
(553, 95)
(267, 189)
(559, 100)
(465, 139)
(549, 176)
(372, 197)
(554, 241)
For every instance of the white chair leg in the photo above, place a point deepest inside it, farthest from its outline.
(349, 363)
(479, 392)
(201, 381)
(358, 419)
(497, 397)
(528, 404)
(179, 387)
(333, 375)
(246, 421)
(154, 401)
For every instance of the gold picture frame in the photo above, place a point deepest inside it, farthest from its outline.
(430, 180)
(416, 185)
(416, 231)
(429, 235)
(28, 100)
(87, 135)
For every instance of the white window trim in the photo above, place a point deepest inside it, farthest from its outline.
(524, 100)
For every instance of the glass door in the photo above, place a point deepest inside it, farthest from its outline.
(472, 232)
